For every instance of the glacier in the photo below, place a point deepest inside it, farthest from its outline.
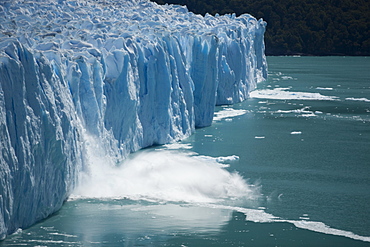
(114, 75)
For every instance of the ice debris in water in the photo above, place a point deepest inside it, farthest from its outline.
(107, 77)
(283, 94)
(296, 132)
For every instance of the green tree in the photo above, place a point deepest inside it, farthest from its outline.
(312, 27)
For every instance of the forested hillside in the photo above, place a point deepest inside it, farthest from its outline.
(309, 27)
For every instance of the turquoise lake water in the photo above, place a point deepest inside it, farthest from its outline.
(288, 167)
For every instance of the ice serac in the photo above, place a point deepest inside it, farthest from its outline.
(40, 151)
(79, 76)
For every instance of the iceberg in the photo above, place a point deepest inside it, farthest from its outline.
(111, 75)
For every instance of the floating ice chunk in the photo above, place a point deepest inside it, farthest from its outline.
(304, 217)
(63, 235)
(299, 111)
(18, 231)
(177, 146)
(254, 215)
(228, 113)
(296, 132)
(359, 99)
(283, 94)
(259, 137)
(309, 115)
(227, 159)
(287, 78)
(322, 228)
(260, 216)
(325, 88)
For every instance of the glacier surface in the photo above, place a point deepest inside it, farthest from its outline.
(108, 75)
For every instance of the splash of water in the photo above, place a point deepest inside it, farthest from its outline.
(164, 176)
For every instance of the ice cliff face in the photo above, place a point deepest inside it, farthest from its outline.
(127, 74)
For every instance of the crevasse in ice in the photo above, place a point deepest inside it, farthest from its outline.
(128, 74)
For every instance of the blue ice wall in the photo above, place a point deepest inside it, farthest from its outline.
(128, 74)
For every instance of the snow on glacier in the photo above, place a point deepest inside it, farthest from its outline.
(111, 77)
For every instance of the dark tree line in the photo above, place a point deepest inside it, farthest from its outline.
(308, 27)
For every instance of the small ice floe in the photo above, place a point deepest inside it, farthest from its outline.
(303, 111)
(259, 137)
(221, 159)
(18, 231)
(309, 115)
(287, 77)
(299, 111)
(62, 234)
(359, 99)
(304, 217)
(283, 94)
(296, 132)
(227, 159)
(228, 113)
(176, 146)
(324, 88)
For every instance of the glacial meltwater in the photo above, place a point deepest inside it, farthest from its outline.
(290, 166)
